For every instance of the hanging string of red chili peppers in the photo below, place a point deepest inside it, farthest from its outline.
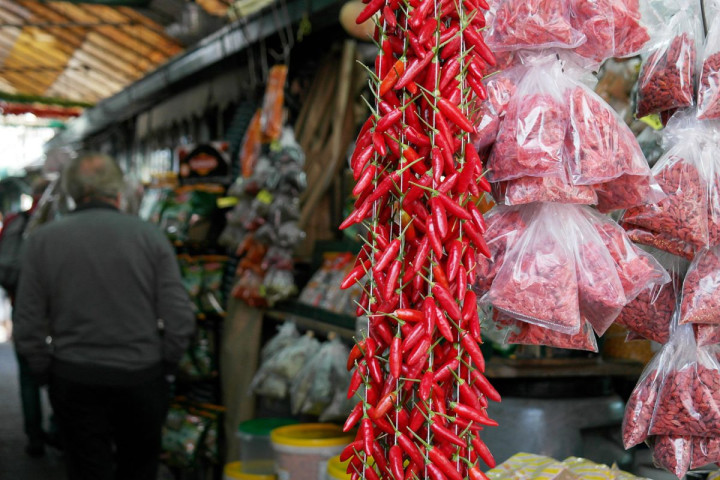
(419, 373)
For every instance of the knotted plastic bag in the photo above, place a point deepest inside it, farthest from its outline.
(666, 77)
(524, 333)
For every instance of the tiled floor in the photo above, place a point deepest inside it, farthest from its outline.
(14, 463)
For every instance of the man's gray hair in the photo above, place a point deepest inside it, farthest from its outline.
(93, 175)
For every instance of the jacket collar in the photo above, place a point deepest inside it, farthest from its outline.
(95, 203)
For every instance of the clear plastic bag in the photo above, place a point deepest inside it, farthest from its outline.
(539, 24)
(523, 333)
(286, 335)
(690, 212)
(526, 190)
(709, 83)
(650, 314)
(673, 453)
(274, 374)
(700, 299)
(666, 77)
(504, 224)
(707, 334)
(705, 450)
(501, 88)
(531, 139)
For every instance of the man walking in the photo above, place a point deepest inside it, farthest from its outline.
(102, 315)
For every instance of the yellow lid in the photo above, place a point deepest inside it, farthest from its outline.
(234, 470)
(337, 469)
(311, 435)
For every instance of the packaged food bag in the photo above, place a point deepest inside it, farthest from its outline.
(709, 84)
(523, 333)
(525, 190)
(630, 33)
(673, 453)
(504, 224)
(525, 24)
(707, 334)
(701, 289)
(688, 176)
(500, 87)
(688, 401)
(666, 77)
(705, 450)
(531, 137)
(650, 314)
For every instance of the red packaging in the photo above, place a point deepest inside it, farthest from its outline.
(705, 450)
(650, 314)
(531, 138)
(701, 289)
(666, 77)
(640, 405)
(546, 189)
(523, 333)
(516, 24)
(709, 87)
(672, 453)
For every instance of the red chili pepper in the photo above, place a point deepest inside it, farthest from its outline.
(413, 338)
(434, 240)
(477, 86)
(388, 120)
(384, 425)
(426, 383)
(454, 114)
(355, 415)
(478, 219)
(356, 379)
(370, 473)
(444, 373)
(439, 217)
(434, 472)
(365, 180)
(410, 449)
(420, 352)
(361, 160)
(412, 471)
(389, 16)
(462, 279)
(444, 434)
(447, 302)
(375, 370)
(395, 357)
(354, 275)
(427, 31)
(421, 255)
(448, 183)
(380, 460)
(484, 385)
(367, 434)
(355, 465)
(363, 304)
(409, 315)
(415, 46)
(350, 450)
(356, 353)
(476, 474)
(390, 80)
(384, 405)
(468, 396)
(476, 40)
(451, 48)
(416, 137)
(472, 414)
(428, 306)
(403, 419)
(477, 239)
(437, 164)
(420, 13)
(454, 258)
(386, 59)
(387, 256)
(469, 314)
(443, 325)
(417, 417)
(392, 278)
(383, 331)
(472, 348)
(369, 11)
(414, 68)
(467, 424)
(440, 277)
(450, 70)
(395, 456)
(483, 451)
(440, 460)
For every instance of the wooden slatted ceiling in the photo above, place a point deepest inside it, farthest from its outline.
(77, 52)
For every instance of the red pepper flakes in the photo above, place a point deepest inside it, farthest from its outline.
(709, 89)
(673, 453)
(525, 190)
(661, 241)
(666, 78)
(688, 402)
(650, 314)
(636, 268)
(532, 24)
(630, 35)
(683, 214)
(639, 409)
(705, 450)
(531, 139)
(700, 299)
(504, 224)
(706, 334)
(525, 333)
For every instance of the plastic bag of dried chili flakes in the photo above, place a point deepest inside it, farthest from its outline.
(613, 28)
(649, 315)
(688, 175)
(701, 289)
(673, 453)
(557, 268)
(504, 225)
(523, 333)
(523, 190)
(500, 87)
(666, 77)
(688, 402)
(526, 24)
(709, 86)
(531, 138)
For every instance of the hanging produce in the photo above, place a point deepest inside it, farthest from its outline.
(419, 374)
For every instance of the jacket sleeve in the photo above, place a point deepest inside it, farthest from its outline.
(173, 305)
(31, 324)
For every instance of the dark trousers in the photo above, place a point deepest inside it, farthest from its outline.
(110, 432)
(31, 406)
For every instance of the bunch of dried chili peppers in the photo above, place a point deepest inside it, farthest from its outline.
(419, 373)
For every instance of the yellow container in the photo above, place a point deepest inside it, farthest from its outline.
(234, 471)
(302, 451)
(336, 470)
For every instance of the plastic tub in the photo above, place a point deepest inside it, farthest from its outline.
(235, 471)
(337, 470)
(302, 451)
(255, 448)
